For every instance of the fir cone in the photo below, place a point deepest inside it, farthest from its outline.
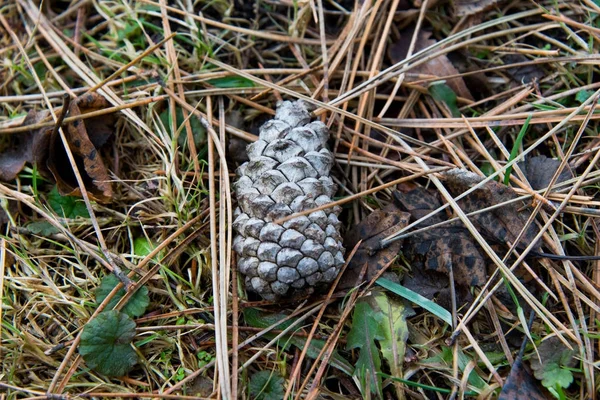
(288, 172)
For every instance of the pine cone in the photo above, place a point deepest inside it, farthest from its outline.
(288, 172)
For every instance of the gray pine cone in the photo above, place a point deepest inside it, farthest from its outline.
(288, 172)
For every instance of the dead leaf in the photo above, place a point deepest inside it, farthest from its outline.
(470, 7)
(525, 73)
(439, 249)
(501, 225)
(371, 230)
(43, 147)
(539, 171)
(82, 136)
(521, 385)
(440, 66)
(22, 148)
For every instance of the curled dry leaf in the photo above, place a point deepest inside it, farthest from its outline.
(440, 66)
(371, 230)
(44, 147)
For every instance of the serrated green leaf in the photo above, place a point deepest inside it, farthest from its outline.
(554, 375)
(106, 343)
(394, 327)
(366, 329)
(266, 385)
(135, 307)
(552, 369)
(443, 93)
(67, 206)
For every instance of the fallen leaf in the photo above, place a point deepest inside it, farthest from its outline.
(503, 224)
(378, 225)
(539, 171)
(470, 7)
(525, 73)
(82, 144)
(521, 385)
(44, 148)
(431, 254)
(440, 66)
(552, 366)
(22, 148)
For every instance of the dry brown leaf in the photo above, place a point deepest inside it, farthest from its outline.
(539, 171)
(501, 225)
(439, 249)
(440, 66)
(84, 138)
(22, 148)
(43, 147)
(371, 230)
(470, 7)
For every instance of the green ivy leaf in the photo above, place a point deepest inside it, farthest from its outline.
(135, 307)
(266, 385)
(106, 343)
(365, 330)
(67, 206)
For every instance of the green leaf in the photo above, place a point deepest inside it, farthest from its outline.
(229, 82)
(266, 385)
(67, 206)
(394, 327)
(366, 329)
(142, 246)
(555, 375)
(106, 343)
(43, 228)
(416, 298)
(442, 93)
(198, 130)
(583, 95)
(553, 369)
(136, 305)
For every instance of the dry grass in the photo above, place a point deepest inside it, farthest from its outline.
(216, 61)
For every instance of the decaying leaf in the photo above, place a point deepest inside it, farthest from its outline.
(371, 230)
(470, 7)
(44, 147)
(440, 66)
(84, 139)
(502, 225)
(431, 254)
(524, 73)
(539, 171)
(19, 149)
(521, 385)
